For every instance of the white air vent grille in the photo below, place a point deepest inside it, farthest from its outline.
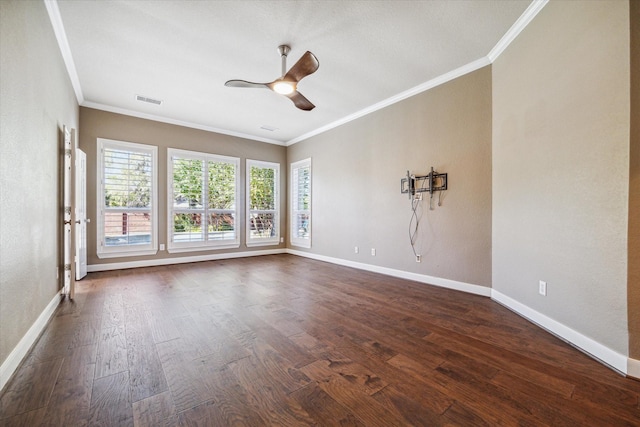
(148, 100)
(269, 128)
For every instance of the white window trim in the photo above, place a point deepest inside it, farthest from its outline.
(179, 247)
(102, 250)
(273, 240)
(294, 240)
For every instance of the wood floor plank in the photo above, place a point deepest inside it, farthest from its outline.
(112, 352)
(187, 385)
(274, 338)
(267, 394)
(269, 365)
(30, 388)
(219, 414)
(406, 382)
(559, 409)
(363, 406)
(229, 406)
(357, 375)
(27, 419)
(71, 397)
(408, 409)
(111, 401)
(323, 408)
(163, 326)
(113, 311)
(146, 375)
(157, 410)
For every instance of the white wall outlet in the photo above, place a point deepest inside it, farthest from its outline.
(282, 240)
(356, 250)
(542, 288)
(57, 272)
(418, 258)
(162, 246)
(373, 252)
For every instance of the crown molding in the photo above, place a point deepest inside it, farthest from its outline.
(63, 44)
(162, 119)
(517, 27)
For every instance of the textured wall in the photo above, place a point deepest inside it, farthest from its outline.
(561, 167)
(356, 183)
(101, 124)
(633, 303)
(37, 100)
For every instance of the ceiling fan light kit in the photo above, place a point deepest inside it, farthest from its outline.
(283, 88)
(287, 84)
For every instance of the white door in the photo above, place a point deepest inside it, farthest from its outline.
(81, 214)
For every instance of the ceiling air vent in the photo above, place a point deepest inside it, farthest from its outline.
(269, 128)
(148, 100)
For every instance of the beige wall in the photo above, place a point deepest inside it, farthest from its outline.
(633, 298)
(101, 124)
(357, 168)
(561, 167)
(37, 100)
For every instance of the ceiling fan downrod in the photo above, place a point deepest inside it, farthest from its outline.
(284, 50)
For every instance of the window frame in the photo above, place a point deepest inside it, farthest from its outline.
(102, 250)
(273, 240)
(205, 244)
(294, 239)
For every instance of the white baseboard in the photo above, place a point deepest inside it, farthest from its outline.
(416, 277)
(179, 260)
(12, 361)
(633, 368)
(595, 349)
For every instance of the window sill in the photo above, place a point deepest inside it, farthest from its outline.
(124, 254)
(177, 250)
(267, 243)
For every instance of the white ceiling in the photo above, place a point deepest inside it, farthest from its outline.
(371, 54)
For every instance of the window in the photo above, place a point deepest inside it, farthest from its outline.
(127, 199)
(202, 201)
(301, 203)
(263, 204)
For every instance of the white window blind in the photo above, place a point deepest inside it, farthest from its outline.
(263, 205)
(127, 220)
(300, 218)
(202, 193)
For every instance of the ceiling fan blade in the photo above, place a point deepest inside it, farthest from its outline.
(244, 83)
(300, 101)
(307, 64)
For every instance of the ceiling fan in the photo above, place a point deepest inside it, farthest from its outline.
(287, 84)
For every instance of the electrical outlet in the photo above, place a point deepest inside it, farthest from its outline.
(356, 250)
(57, 272)
(418, 258)
(162, 246)
(373, 252)
(282, 240)
(542, 288)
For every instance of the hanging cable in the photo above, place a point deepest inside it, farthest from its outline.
(414, 222)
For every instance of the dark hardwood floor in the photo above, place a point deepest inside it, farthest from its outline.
(282, 340)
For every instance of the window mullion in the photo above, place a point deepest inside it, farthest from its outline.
(205, 200)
